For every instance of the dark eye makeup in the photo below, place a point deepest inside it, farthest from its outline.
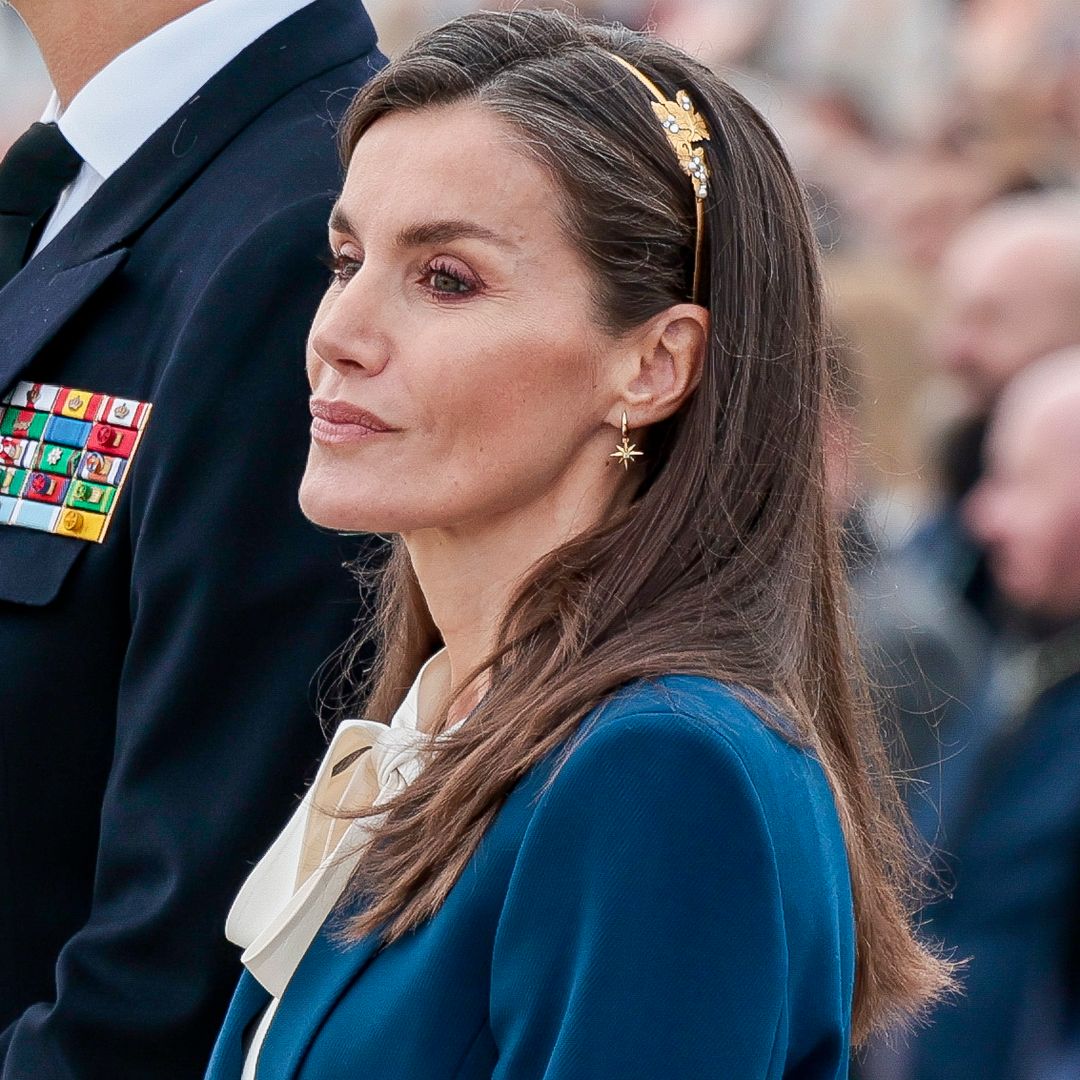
(340, 266)
(442, 278)
(446, 280)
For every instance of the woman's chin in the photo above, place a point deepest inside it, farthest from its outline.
(330, 510)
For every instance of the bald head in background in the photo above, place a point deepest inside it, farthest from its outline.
(1026, 507)
(1009, 292)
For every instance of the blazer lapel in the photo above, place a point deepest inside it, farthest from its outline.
(324, 974)
(248, 1001)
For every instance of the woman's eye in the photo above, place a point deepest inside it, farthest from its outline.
(444, 281)
(342, 266)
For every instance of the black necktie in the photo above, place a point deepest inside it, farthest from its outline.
(33, 173)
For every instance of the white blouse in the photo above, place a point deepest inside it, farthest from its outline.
(294, 887)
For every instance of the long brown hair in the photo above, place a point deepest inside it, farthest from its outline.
(726, 563)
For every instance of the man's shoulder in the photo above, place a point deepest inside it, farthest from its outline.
(265, 194)
(286, 156)
(296, 137)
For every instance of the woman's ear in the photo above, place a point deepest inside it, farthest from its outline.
(666, 365)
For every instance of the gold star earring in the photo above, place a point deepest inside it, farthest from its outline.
(626, 450)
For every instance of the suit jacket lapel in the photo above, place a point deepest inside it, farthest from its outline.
(324, 974)
(37, 302)
(325, 35)
(50, 288)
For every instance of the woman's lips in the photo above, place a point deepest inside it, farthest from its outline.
(343, 422)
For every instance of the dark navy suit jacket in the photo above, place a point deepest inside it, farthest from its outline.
(675, 904)
(1009, 833)
(155, 701)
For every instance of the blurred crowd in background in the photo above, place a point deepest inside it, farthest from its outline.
(940, 144)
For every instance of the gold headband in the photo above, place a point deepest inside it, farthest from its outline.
(684, 126)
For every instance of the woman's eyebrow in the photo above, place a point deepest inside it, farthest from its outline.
(428, 232)
(339, 221)
(442, 232)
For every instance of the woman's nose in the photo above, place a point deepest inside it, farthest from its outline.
(346, 333)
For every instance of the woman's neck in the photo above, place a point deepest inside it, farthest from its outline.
(468, 582)
(469, 574)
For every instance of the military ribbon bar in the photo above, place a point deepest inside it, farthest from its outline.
(64, 457)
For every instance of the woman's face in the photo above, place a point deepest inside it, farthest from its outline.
(456, 367)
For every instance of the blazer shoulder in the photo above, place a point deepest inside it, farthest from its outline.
(690, 730)
(731, 719)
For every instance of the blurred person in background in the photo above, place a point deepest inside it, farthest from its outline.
(1005, 810)
(1009, 295)
(909, 115)
(1010, 291)
(1001, 128)
(159, 243)
(1016, 87)
(924, 653)
(847, 84)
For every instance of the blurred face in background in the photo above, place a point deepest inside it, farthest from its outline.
(1026, 508)
(1009, 295)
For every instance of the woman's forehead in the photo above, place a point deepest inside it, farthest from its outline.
(458, 163)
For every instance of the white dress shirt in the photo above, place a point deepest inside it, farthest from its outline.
(294, 887)
(133, 95)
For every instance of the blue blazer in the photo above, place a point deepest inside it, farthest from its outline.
(674, 904)
(155, 703)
